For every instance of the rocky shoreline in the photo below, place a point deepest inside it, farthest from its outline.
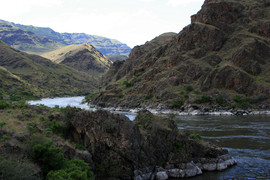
(192, 112)
(182, 170)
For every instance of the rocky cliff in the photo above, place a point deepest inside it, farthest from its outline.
(220, 60)
(82, 57)
(150, 147)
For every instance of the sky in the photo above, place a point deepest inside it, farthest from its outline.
(132, 22)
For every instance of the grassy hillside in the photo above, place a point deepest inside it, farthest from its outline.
(43, 77)
(82, 57)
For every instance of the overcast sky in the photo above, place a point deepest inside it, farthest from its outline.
(132, 22)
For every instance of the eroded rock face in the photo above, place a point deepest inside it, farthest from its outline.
(151, 147)
(223, 52)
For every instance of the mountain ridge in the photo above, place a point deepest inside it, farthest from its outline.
(105, 45)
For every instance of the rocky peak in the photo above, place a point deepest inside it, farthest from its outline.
(223, 52)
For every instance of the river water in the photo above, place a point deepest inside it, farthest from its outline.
(247, 138)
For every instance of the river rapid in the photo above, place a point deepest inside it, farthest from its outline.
(247, 138)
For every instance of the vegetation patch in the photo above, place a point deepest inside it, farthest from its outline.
(195, 136)
(177, 103)
(203, 99)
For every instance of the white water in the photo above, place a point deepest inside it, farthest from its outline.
(73, 102)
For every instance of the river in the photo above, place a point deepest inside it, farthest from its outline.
(247, 138)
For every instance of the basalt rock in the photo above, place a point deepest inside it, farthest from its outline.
(224, 52)
(151, 147)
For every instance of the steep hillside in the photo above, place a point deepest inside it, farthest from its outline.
(222, 59)
(105, 45)
(114, 58)
(40, 75)
(82, 57)
(26, 40)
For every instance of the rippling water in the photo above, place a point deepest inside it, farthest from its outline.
(247, 138)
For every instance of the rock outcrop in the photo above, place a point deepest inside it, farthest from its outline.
(223, 53)
(150, 147)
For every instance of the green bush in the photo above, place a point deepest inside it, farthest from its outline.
(32, 127)
(3, 104)
(56, 127)
(2, 124)
(241, 101)
(221, 101)
(74, 170)
(195, 136)
(150, 96)
(203, 99)
(48, 156)
(4, 138)
(178, 148)
(188, 89)
(127, 84)
(177, 103)
(12, 170)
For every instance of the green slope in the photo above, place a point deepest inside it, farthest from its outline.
(44, 77)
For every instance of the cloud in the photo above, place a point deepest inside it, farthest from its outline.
(175, 3)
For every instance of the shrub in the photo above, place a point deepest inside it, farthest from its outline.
(177, 103)
(150, 96)
(56, 127)
(16, 170)
(4, 138)
(127, 84)
(74, 170)
(188, 89)
(195, 136)
(2, 124)
(3, 104)
(178, 148)
(32, 127)
(221, 101)
(203, 99)
(241, 101)
(48, 156)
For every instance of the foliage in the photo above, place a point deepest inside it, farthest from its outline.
(150, 96)
(195, 136)
(178, 148)
(203, 99)
(4, 138)
(126, 84)
(89, 97)
(188, 89)
(48, 156)
(32, 127)
(80, 147)
(74, 170)
(220, 101)
(177, 103)
(3, 104)
(11, 170)
(259, 98)
(2, 124)
(241, 101)
(56, 127)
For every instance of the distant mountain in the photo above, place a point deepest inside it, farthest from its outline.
(222, 59)
(105, 45)
(40, 76)
(26, 40)
(82, 57)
